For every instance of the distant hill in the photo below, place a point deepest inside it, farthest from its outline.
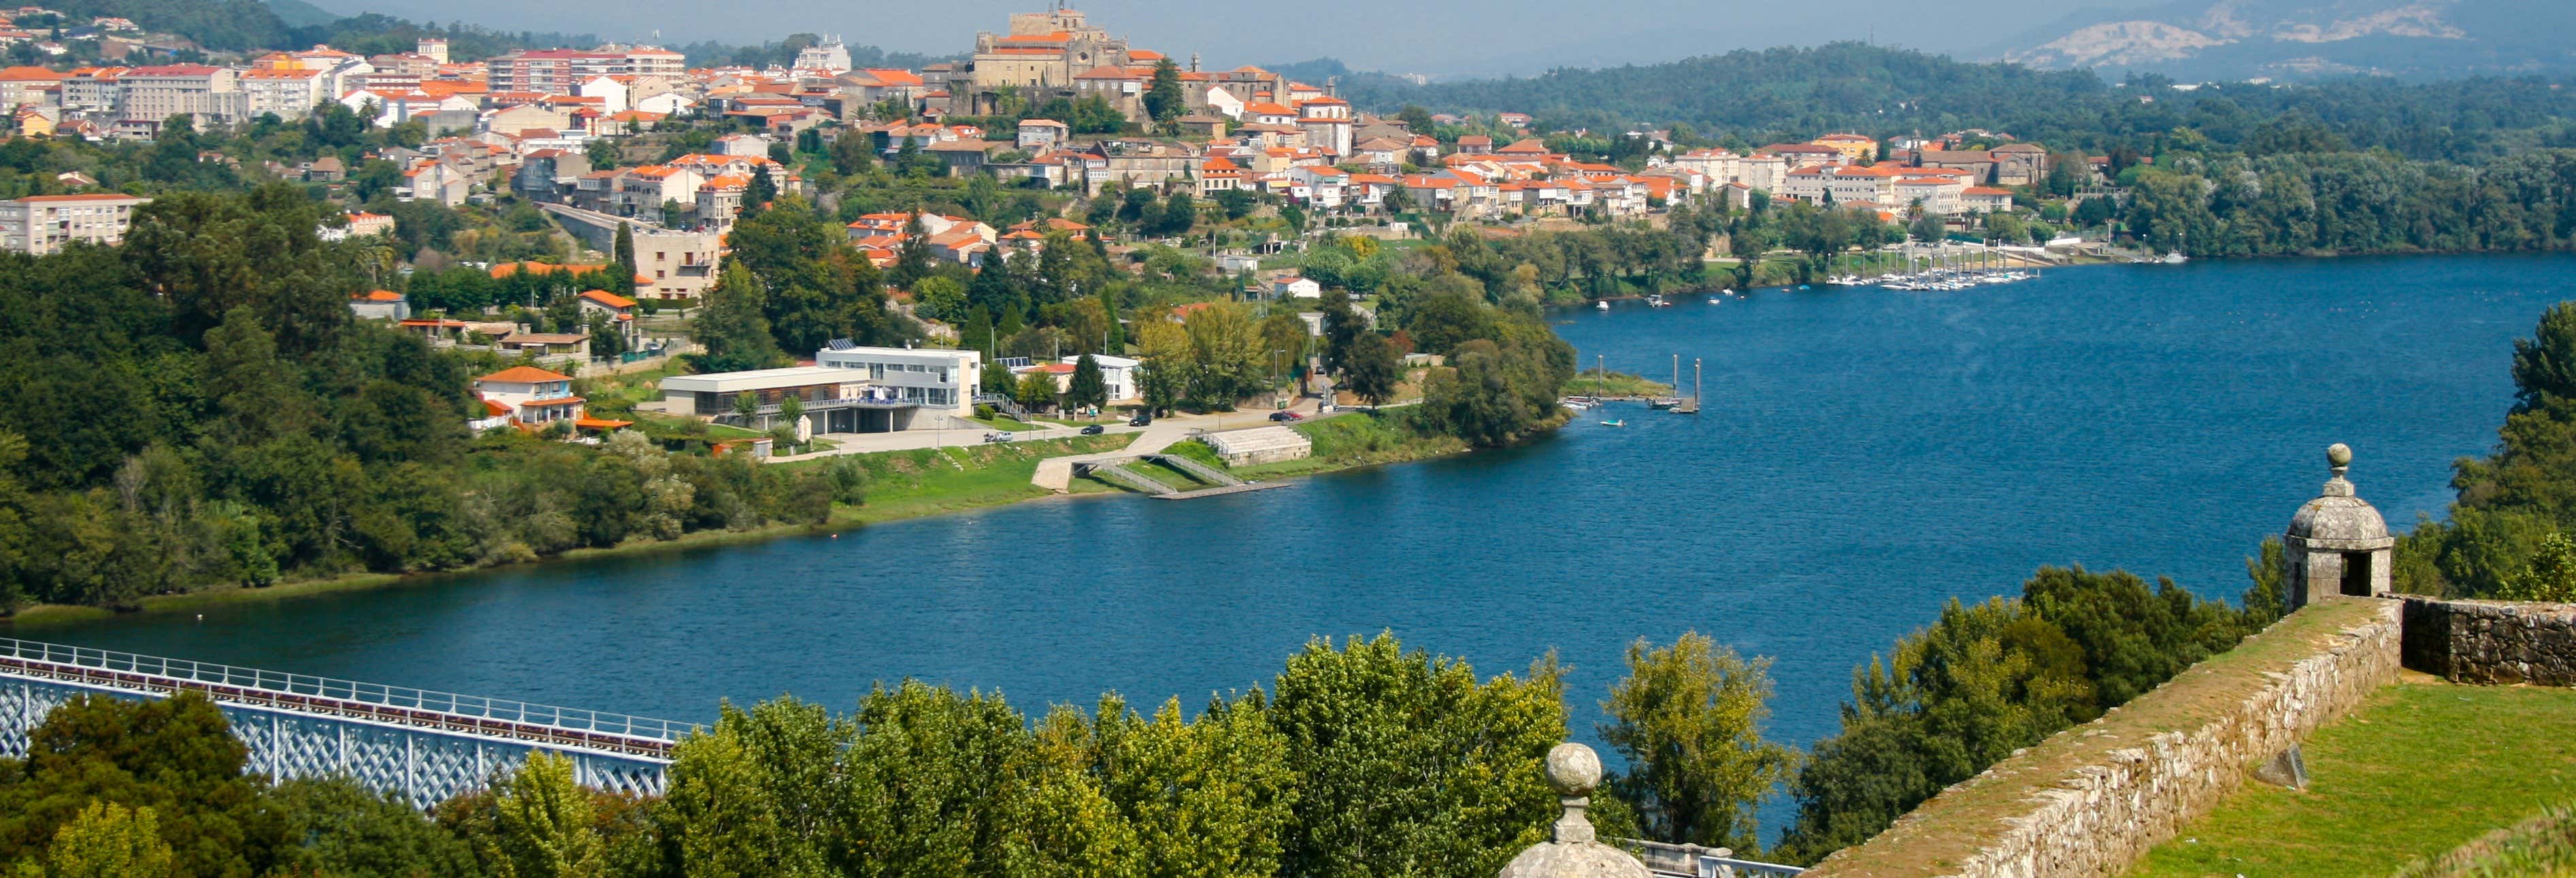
(297, 13)
(220, 25)
(2196, 40)
(1771, 95)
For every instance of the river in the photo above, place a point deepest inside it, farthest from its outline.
(1863, 456)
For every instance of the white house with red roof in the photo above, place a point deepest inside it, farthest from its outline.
(529, 396)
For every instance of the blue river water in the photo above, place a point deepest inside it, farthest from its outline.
(1863, 456)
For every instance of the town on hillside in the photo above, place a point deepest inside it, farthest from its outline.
(629, 140)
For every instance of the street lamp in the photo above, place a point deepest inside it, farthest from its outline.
(1274, 376)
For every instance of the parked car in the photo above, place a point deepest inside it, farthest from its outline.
(1284, 417)
(997, 437)
(1142, 419)
(1093, 430)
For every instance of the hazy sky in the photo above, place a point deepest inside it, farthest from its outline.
(1405, 36)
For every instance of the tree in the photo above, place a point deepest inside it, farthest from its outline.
(790, 411)
(733, 324)
(1342, 326)
(107, 840)
(853, 152)
(752, 795)
(1088, 387)
(1372, 370)
(625, 259)
(2551, 576)
(1416, 119)
(347, 829)
(757, 196)
(2544, 365)
(176, 756)
(997, 378)
(1225, 354)
(1688, 718)
(603, 153)
(1409, 764)
(542, 823)
(1036, 389)
(1164, 100)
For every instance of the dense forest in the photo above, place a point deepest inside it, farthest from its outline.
(196, 408)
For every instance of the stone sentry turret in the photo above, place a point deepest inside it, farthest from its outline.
(1574, 770)
(2337, 545)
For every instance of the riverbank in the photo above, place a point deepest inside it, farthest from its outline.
(902, 485)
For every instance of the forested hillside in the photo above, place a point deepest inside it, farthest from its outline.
(1763, 96)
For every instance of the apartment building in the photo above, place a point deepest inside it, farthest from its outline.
(212, 95)
(41, 224)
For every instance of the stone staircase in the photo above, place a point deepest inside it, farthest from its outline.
(1117, 473)
(1196, 469)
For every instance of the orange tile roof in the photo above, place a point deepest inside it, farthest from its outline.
(609, 299)
(524, 375)
(505, 269)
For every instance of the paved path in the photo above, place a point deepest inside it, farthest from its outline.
(1056, 473)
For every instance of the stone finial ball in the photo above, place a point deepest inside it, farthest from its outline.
(2339, 454)
(1573, 769)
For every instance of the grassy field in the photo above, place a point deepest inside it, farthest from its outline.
(1614, 384)
(925, 481)
(1355, 440)
(2422, 768)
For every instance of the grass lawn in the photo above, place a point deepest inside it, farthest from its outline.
(1353, 440)
(926, 481)
(2422, 768)
(1614, 384)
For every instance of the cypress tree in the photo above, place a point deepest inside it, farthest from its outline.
(625, 248)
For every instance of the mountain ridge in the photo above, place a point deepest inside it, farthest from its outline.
(2299, 39)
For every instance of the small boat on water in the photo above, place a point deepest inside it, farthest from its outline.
(1618, 423)
(1714, 300)
(1656, 300)
(1603, 305)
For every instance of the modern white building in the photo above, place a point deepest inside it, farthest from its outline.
(934, 379)
(835, 400)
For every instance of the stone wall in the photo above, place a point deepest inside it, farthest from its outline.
(2492, 641)
(2093, 799)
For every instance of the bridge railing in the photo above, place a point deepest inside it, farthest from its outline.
(474, 713)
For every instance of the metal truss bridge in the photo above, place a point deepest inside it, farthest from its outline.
(425, 746)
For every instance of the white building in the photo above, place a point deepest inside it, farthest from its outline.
(1116, 373)
(151, 94)
(42, 224)
(936, 380)
(828, 56)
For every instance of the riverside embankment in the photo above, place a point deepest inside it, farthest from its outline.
(1862, 457)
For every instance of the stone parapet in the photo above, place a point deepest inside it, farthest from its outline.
(2492, 641)
(2093, 799)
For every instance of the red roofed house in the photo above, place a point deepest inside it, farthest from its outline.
(620, 310)
(529, 396)
(380, 305)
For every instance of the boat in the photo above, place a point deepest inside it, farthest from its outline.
(1714, 300)
(1618, 423)
(1656, 300)
(1603, 305)
(2175, 258)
